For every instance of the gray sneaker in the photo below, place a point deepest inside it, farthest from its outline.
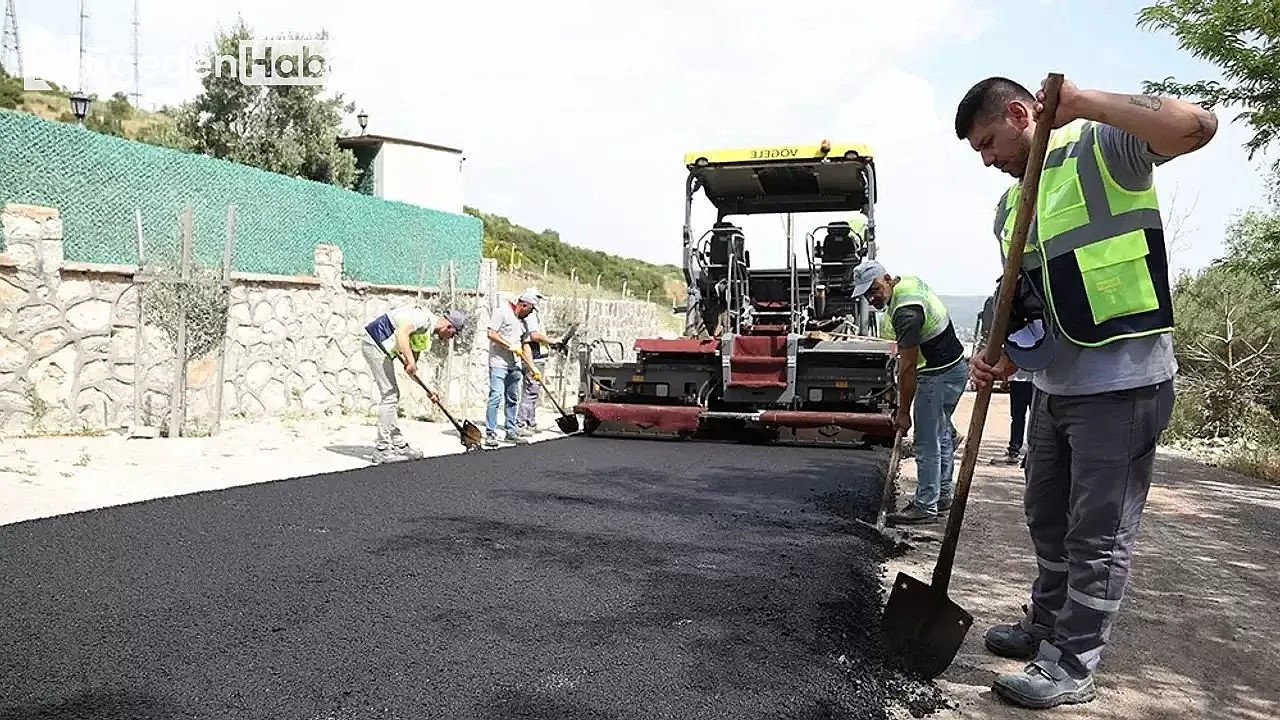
(384, 455)
(515, 438)
(1018, 640)
(526, 430)
(490, 441)
(1048, 681)
(912, 514)
(408, 452)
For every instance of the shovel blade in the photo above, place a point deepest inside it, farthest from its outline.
(923, 627)
(568, 424)
(471, 435)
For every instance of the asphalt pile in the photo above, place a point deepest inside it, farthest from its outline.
(582, 578)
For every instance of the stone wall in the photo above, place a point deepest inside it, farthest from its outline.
(71, 359)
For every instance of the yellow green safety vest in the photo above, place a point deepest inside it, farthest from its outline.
(1095, 250)
(383, 333)
(911, 290)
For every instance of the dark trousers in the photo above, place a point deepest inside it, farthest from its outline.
(1089, 464)
(1019, 404)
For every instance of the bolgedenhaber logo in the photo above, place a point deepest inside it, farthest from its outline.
(282, 60)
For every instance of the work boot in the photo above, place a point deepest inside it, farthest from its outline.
(912, 514)
(944, 504)
(515, 438)
(1010, 457)
(490, 440)
(1016, 640)
(1048, 681)
(527, 430)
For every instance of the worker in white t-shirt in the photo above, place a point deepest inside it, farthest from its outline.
(404, 334)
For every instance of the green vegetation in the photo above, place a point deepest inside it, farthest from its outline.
(1243, 40)
(293, 131)
(520, 249)
(1228, 314)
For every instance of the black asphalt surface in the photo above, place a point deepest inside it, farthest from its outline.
(582, 578)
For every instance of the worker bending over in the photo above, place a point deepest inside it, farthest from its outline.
(402, 333)
(931, 378)
(507, 359)
(1096, 257)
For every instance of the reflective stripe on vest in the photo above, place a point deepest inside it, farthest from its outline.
(911, 290)
(1098, 247)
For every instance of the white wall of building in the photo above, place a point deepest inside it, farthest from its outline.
(420, 176)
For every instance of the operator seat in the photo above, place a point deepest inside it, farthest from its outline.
(841, 246)
(726, 241)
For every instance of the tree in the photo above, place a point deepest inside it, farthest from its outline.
(10, 90)
(1240, 37)
(282, 128)
(1226, 341)
(1253, 245)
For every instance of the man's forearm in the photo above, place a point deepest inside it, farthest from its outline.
(1170, 127)
(402, 344)
(906, 388)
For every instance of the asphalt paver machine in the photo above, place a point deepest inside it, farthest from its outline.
(767, 354)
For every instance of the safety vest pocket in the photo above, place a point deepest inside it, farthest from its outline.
(1061, 207)
(1117, 281)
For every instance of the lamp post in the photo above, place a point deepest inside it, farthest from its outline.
(363, 119)
(80, 106)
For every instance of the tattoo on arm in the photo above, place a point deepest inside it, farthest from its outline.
(1206, 126)
(1149, 102)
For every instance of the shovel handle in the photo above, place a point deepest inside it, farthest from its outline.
(525, 364)
(995, 339)
(438, 404)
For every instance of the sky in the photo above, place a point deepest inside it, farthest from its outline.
(575, 115)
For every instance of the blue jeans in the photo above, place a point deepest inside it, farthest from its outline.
(504, 384)
(937, 395)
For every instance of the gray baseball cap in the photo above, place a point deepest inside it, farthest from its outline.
(457, 319)
(865, 274)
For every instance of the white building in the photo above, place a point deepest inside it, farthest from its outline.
(408, 171)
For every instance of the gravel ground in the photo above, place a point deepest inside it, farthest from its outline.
(582, 578)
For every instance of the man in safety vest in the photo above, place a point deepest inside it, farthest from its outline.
(539, 350)
(404, 334)
(931, 378)
(1102, 358)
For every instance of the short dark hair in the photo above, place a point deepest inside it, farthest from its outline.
(987, 100)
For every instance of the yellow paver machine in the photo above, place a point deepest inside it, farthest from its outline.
(780, 354)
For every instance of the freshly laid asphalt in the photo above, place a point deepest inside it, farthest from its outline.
(581, 578)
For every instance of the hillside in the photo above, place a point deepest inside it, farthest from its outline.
(964, 311)
(521, 250)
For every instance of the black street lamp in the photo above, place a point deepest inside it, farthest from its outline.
(80, 106)
(363, 119)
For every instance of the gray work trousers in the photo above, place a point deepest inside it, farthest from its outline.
(527, 414)
(1088, 469)
(386, 395)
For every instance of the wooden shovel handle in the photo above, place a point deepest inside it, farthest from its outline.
(995, 338)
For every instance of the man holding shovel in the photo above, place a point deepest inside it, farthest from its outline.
(507, 355)
(404, 334)
(1096, 256)
(931, 378)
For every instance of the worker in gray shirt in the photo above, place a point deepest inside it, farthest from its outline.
(1096, 253)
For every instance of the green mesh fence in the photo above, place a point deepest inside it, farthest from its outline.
(97, 182)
